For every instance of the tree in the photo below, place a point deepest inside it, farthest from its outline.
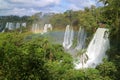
(111, 13)
(107, 69)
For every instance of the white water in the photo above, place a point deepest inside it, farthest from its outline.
(81, 39)
(46, 27)
(36, 28)
(13, 26)
(5, 27)
(50, 27)
(17, 25)
(23, 24)
(10, 26)
(96, 50)
(68, 37)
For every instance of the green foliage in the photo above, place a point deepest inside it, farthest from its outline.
(115, 59)
(23, 59)
(108, 69)
(17, 65)
(59, 20)
(83, 74)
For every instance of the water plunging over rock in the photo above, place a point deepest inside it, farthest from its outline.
(10, 26)
(46, 27)
(7, 24)
(96, 50)
(13, 26)
(68, 37)
(81, 39)
(23, 24)
(36, 28)
(17, 25)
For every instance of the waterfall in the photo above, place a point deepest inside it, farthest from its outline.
(35, 28)
(96, 49)
(81, 39)
(50, 26)
(13, 26)
(23, 24)
(17, 25)
(68, 37)
(9, 26)
(6, 26)
(46, 27)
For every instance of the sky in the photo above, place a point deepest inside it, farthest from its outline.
(30, 7)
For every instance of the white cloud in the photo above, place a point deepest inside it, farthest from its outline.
(19, 11)
(83, 3)
(34, 3)
(29, 7)
(5, 4)
(25, 7)
(74, 7)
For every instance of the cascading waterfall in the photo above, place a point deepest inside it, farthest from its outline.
(23, 24)
(46, 27)
(96, 50)
(68, 37)
(5, 27)
(81, 39)
(50, 27)
(35, 28)
(10, 26)
(13, 26)
(17, 25)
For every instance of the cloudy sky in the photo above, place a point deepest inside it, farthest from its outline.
(29, 7)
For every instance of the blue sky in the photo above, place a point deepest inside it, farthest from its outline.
(29, 7)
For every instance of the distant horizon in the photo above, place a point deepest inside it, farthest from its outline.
(28, 8)
(36, 13)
